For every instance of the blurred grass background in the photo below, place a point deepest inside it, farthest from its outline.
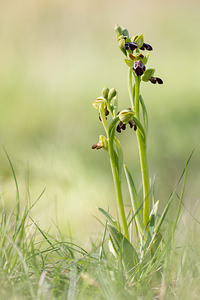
(55, 58)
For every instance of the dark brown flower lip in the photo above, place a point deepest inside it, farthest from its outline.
(155, 80)
(138, 68)
(133, 45)
(147, 47)
(130, 46)
(106, 114)
(122, 126)
(97, 146)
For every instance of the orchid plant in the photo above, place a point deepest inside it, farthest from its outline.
(144, 209)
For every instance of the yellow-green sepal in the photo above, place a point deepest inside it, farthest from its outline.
(139, 40)
(148, 74)
(126, 115)
(103, 141)
(101, 101)
(129, 62)
(144, 60)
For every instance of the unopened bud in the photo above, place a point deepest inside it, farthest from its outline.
(105, 92)
(112, 93)
(125, 32)
(118, 29)
(121, 42)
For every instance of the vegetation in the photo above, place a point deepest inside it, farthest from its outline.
(37, 265)
(50, 72)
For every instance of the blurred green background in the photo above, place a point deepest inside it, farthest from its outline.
(55, 58)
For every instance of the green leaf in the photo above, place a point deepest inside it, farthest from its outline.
(148, 74)
(101, 249)
(134, 201)
(151, 227)
(181, 198)
(16, 186)
(145, 115)
(112, 125)
(129, 62)
(124, 250)
(119, 155)
(140, 127)
(109, 218)
(140, 41)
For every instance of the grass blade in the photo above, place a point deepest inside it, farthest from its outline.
(134, 201)
(124, 250)
(172, 196)
(109, 218)
(16, 185)
(72, 284)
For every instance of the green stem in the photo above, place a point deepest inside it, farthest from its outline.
(110, 132)
(103, 119)
(143, 157)
(137, 94)
(117, 183)
(131, 87)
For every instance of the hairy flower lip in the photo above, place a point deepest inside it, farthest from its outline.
(106, 113)
(148, 47)
(152, 80)
(159, 80)
(125, 117)
(102, 143)
(97, 146)
(133, 45)
(155, 80)
(138, 68)
(130, 46)
(132, 124)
